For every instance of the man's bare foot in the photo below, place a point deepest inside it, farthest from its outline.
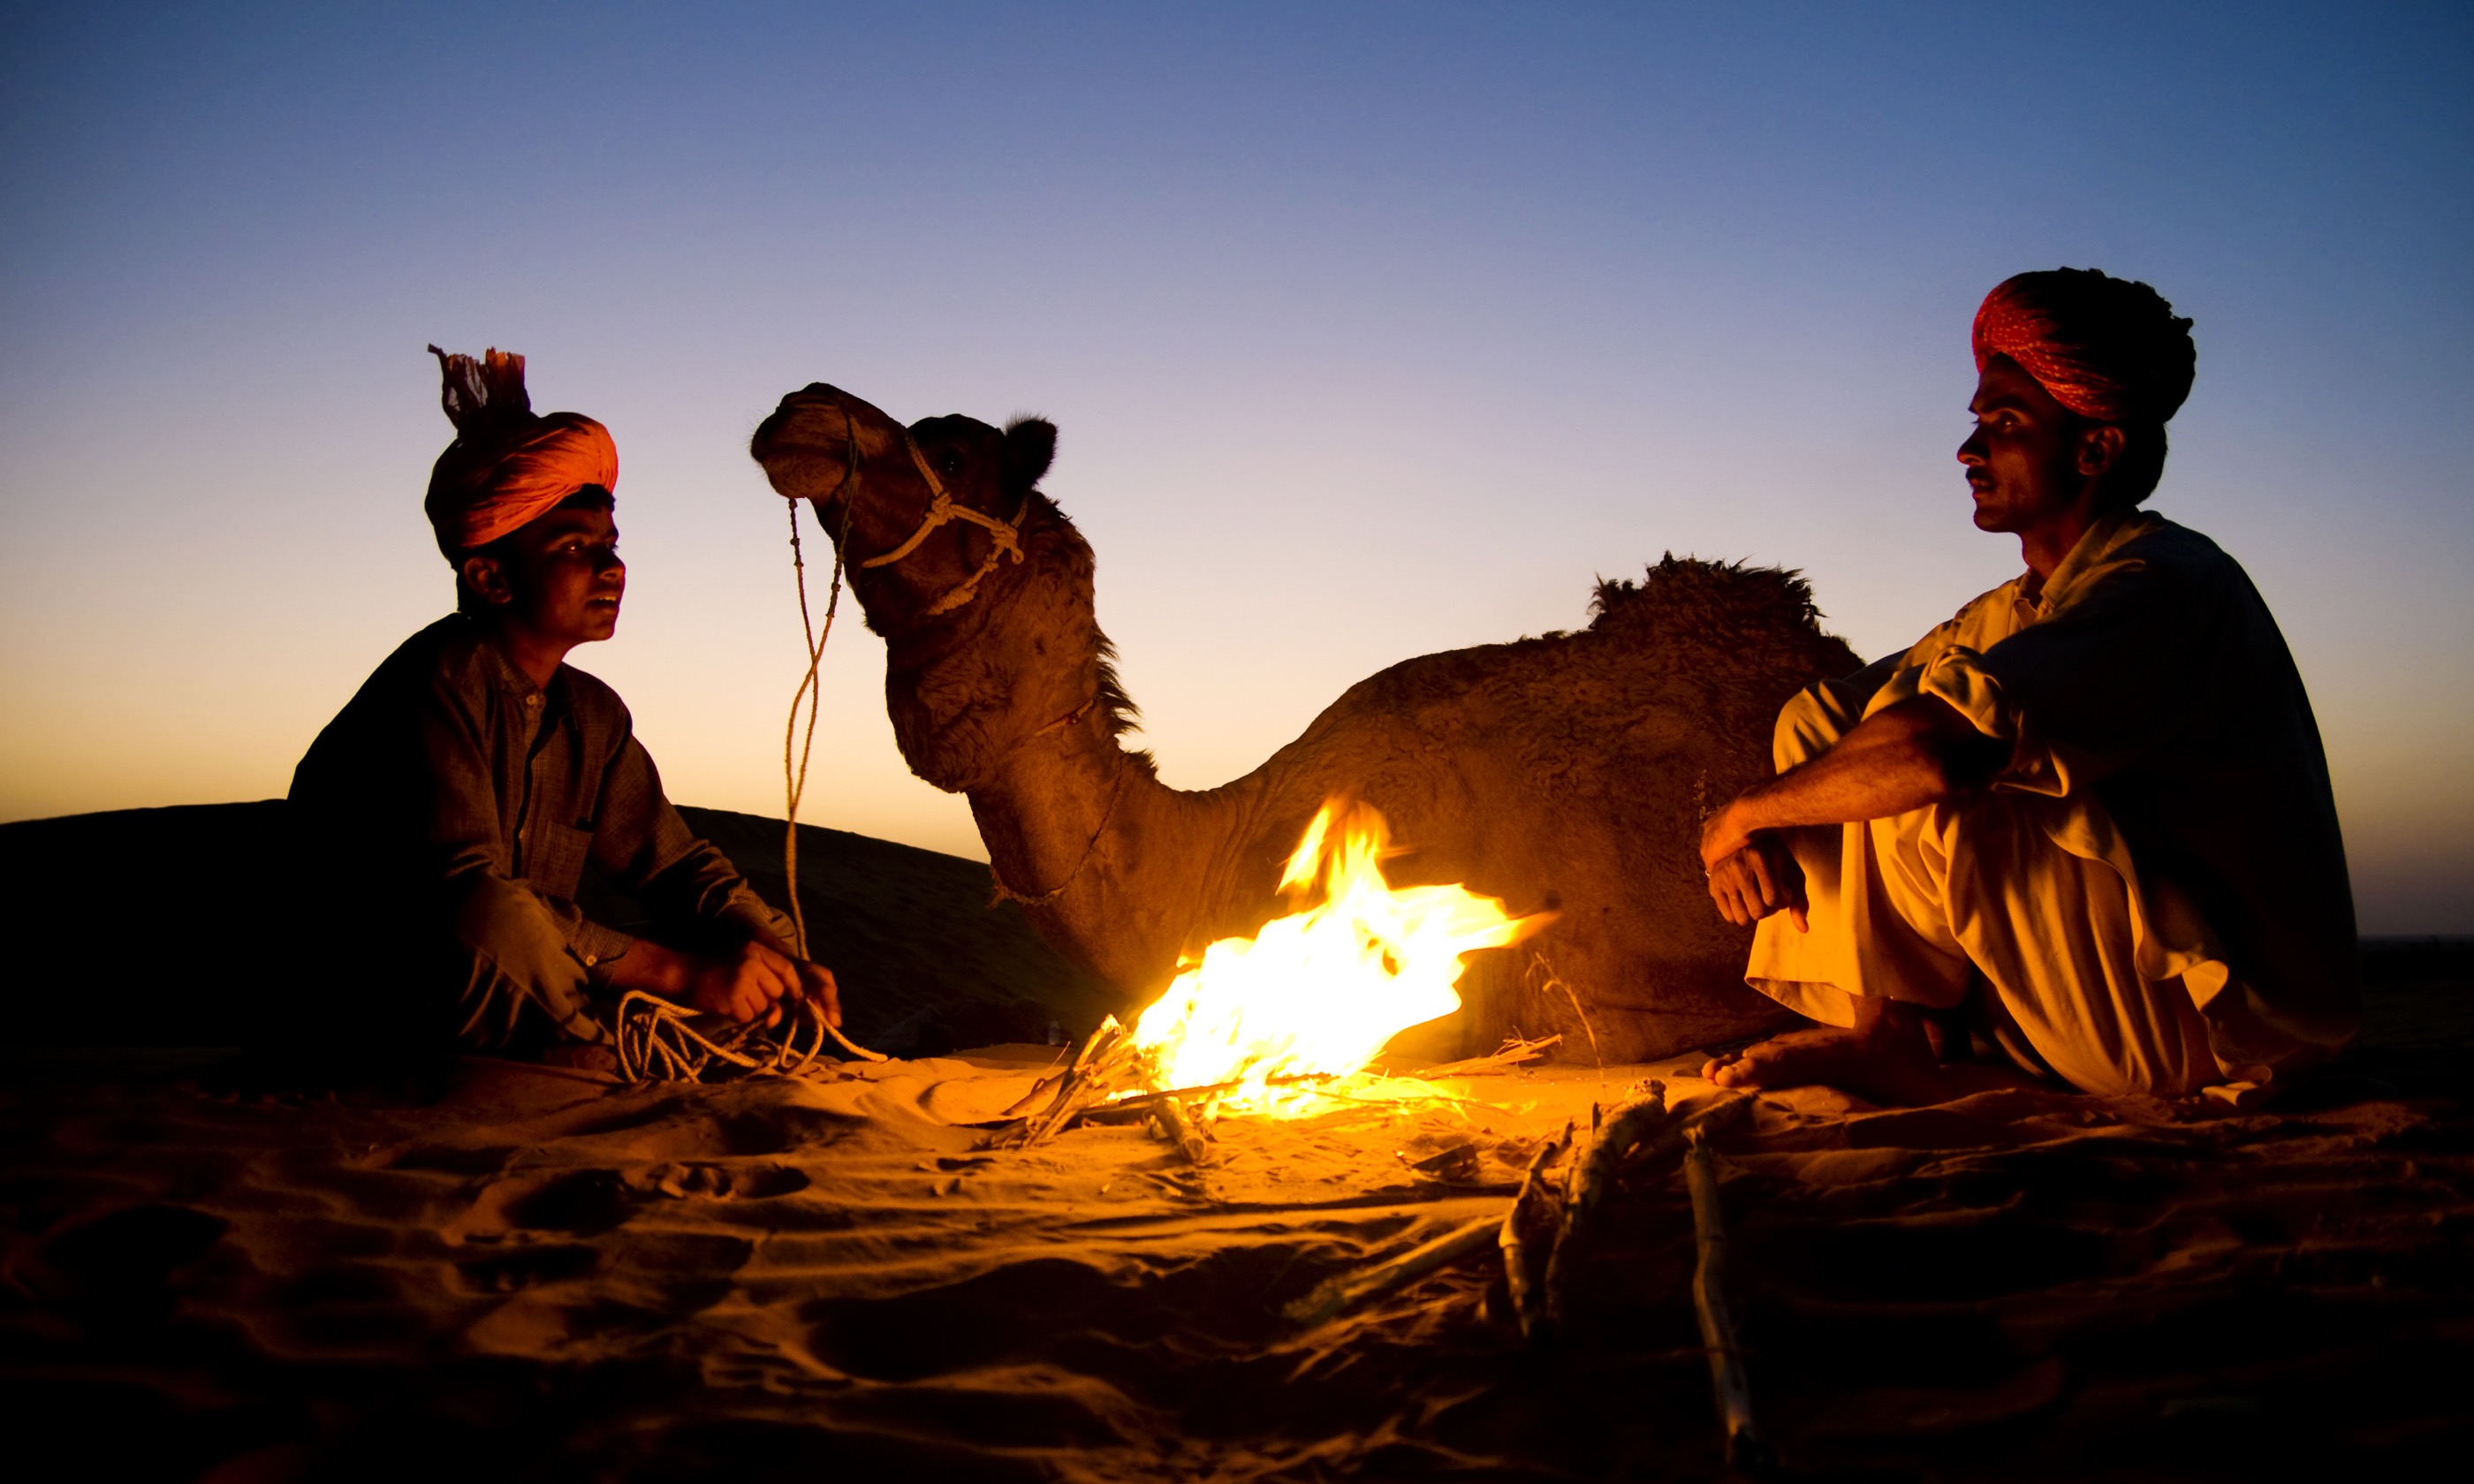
(1886, 1058)
(1829, 1056)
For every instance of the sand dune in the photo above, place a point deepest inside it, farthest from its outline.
(155, 928)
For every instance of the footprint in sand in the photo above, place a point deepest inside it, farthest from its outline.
(719, 1182)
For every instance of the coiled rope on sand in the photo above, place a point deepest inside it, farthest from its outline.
(657, 1040)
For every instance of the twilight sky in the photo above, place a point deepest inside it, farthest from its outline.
(1372, 330)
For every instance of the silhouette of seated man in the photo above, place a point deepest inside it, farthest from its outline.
(458, 801)
(2081, 831)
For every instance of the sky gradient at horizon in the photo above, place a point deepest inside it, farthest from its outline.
(1371, 331)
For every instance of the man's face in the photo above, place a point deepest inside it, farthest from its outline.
(562, 577)
(2023, 458)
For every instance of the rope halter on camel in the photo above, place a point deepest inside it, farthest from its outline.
(1006, 533)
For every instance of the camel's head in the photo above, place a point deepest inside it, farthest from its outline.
(853, 462)
(983, 649)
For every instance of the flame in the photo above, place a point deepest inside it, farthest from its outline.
(1321, 991)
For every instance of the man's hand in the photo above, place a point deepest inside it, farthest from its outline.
(745, 983)
(1751, 873)
(816, 981)
(1758, 879)
(1905, 757)
(1725, 833)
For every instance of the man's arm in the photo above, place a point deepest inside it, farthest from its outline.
(1905, 757)
(648, 849)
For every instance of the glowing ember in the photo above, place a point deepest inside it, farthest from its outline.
(1322, 989)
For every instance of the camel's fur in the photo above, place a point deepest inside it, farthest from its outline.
(1568, 773)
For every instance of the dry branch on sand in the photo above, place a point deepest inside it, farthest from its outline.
(1709, 1120)
(1337, 1295)
(1728, 1383)
(1529, 1210)
(1588, 1174)
(1515, 1053)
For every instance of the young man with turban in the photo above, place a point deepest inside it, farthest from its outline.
(2085, 827)
(460, 798)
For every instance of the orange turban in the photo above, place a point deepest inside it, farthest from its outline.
(507, 467)
(2104, 348)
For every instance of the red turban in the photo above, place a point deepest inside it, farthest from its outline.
(507, 467)
(2104, 348)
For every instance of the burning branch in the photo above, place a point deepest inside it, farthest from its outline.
(1313, 998)
(1180, 1128)
(1127, 1109)
(1104, 1059)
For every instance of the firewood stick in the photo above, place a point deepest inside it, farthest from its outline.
(1515, 1248)
(1728, 1383)
(1706, 1120)
(1590, 1173)
(1048, 1087)
(1079, 1088)
(1174, 1121)
(1143, 1100)
(1511, 1055)
(1348, 1290)
(1612, 1137)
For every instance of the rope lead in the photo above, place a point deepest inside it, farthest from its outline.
(794, 785)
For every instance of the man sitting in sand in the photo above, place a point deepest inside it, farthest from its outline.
(2084, 829)
(455, 805)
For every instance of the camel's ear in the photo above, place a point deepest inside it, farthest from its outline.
(1029, 443)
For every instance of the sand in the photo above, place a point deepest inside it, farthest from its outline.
(496, 1269)
(229, 1269)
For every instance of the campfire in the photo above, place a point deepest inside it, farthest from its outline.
(1277, 1023)
(1316, 994)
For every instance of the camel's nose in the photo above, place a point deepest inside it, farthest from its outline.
(814, 421)
(815, 393)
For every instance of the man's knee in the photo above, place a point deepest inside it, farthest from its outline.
(1811, 721)
(1810, 724)
(509, 961)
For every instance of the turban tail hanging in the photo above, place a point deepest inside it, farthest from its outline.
(507, 467)
(2104, 348)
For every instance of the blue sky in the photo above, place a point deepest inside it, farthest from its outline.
(1372, 330)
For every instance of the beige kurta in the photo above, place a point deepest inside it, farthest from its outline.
(2153, 889)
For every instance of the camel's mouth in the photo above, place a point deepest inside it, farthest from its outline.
(809, 440)
(1281, 1022)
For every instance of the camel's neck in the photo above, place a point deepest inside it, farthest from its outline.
(1111, 866)
(1072, 821)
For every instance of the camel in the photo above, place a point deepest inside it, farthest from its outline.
(1566, 774)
